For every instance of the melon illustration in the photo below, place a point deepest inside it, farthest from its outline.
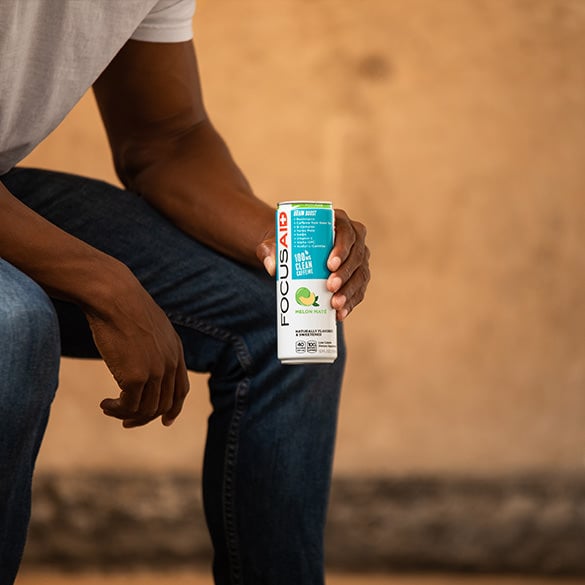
(305, 297)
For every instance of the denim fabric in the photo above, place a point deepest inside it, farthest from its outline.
(271, 434)
(29, 366)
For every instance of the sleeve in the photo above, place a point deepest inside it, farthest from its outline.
(170, 21)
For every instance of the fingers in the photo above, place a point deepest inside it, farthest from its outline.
(266, 253)
(345, 237)
(139, 404)
(156, 400)
(353, 292)
(131, 423)
(180, 393)
(144, 354)
(349, 265)
(127, 403)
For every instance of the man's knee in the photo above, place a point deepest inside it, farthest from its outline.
(29, 323)
(29, 333)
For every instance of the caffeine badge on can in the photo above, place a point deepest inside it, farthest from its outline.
(307, 331)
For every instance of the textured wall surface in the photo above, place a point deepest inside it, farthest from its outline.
(455, 130)
(118, 521)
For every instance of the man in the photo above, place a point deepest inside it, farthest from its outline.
(158, 278)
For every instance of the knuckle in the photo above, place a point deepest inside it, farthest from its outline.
(346, 273)
(342, 222)
(353, 236)
(365, 272)
(155, 379)
(133, 378)
(128, 404)
(179, 343)
(182, 389)
(148, 408)
(164, 408)
(356, 300)
(149, 412)
(360, 228)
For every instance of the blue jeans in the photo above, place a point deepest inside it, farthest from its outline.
(269, 449)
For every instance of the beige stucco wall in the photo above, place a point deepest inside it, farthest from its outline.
(455, 130)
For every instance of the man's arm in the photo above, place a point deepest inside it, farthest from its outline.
(132, 333)
(166, 149)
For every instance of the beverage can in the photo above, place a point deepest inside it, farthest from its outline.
(307, 331)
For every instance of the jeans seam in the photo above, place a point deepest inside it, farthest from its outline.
(231, 450)
(229, 487)
(237, 341)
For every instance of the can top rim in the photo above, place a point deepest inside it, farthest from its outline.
(304, 202)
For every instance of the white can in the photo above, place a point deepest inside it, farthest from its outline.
(307, 331)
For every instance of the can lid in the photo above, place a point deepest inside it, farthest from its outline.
(306, 202)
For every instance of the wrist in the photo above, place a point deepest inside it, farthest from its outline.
(106, 280)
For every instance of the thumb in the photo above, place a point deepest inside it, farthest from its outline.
(266, 253)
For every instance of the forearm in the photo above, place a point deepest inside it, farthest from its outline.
(194, 181)
(64, 266)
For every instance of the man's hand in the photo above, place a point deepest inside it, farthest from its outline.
(348, 263)
(145, 356)
(133, 335)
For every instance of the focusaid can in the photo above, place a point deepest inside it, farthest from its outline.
(307, 331)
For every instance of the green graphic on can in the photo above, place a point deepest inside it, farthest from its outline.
(306, 298)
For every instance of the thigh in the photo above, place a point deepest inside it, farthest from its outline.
(206, 295)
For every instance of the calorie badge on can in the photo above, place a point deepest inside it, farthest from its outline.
(307, 331)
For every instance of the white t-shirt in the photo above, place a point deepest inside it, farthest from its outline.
(51, 52)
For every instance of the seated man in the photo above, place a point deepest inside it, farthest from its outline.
(156, 278)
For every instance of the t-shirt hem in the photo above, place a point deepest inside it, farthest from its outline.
(155, 34)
